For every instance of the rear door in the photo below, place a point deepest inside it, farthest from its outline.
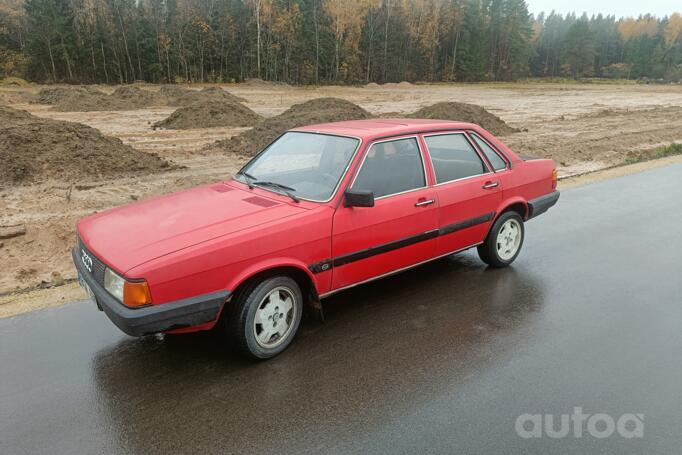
(467, 190)
(400, 230)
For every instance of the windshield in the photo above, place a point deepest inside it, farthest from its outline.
(307, 165)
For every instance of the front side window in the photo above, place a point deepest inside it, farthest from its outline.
(453, 157)
(495, 159)
(310, 164)
(391, 167)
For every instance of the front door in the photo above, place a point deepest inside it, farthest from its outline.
(402, 227)
(468, 192)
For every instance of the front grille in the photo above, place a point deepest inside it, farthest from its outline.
(97, 265)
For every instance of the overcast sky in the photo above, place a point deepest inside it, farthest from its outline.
(618, 7)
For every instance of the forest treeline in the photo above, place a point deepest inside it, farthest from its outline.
(326, 41)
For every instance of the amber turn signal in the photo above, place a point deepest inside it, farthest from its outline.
(136, 294)
(555, 177)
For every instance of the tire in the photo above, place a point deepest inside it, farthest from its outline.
(260, 326)
(508, 232)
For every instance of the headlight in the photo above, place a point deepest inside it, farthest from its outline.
(114, 284)
(130, 293)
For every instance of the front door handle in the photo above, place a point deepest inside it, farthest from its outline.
(489, 185)
(424, 202)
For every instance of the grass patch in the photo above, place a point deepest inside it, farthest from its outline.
(661, 152)
(19, 82)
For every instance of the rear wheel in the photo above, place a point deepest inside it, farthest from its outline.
(504, 241)
(266, 317)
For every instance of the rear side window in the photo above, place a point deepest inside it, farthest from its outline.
(495, 159)
(453, 157)
(391, 167)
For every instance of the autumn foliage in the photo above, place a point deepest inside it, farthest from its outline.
(325, 41)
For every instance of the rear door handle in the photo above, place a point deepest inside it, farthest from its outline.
(424, 202)
(489, 185)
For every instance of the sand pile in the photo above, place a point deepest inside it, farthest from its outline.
(320, 110)
(208, 114)
(463, 112)
(34, 149)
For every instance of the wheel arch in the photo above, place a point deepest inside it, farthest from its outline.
(517, 205)
(293, 269)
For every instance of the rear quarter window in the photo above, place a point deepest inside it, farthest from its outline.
(495, 159)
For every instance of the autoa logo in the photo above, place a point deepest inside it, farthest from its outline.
(579, 424)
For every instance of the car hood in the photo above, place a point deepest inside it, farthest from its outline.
(128, 236)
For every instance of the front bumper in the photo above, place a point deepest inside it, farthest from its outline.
(153, 318)
(542, 204)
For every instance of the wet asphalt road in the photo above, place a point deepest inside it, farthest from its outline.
(441, 359)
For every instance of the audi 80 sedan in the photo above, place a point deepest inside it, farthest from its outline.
(323, 208)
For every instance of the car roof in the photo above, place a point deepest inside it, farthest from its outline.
(375, 128)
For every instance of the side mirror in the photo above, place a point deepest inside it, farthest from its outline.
(353, 198)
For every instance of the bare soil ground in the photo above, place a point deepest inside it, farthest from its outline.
(583, 127)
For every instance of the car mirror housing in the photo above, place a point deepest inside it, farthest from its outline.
(354, 198)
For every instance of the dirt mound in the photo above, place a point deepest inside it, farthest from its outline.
(210, 113)
(463, 112)
(33, 149)
(320, 110)
(127, 97)
(173, 92)
(55, 95)
(86, 101)
(208, 94)
(372, 85)
(405, 84)
(136, 95)
(10, 116)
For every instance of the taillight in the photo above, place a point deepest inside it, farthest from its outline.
(555, 178)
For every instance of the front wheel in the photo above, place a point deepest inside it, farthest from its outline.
(266, 317)
(504, 241)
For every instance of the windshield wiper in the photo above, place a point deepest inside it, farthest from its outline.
(249, 178)
(285, 189)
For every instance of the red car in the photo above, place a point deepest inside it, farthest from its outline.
(323, 208)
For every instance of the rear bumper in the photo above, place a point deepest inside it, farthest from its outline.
(153, 318)
(542, 204)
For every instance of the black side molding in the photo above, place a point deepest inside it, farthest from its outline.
(542, 204)
(338, 261)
